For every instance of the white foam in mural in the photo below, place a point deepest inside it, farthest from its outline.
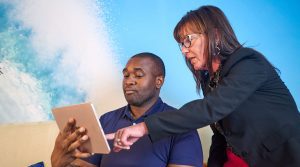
(21, 96)
(55, 53)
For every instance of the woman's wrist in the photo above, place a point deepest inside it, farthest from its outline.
(144, 128)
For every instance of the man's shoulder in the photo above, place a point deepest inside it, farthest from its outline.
(167, 107)
(193, 134)
(113, 113)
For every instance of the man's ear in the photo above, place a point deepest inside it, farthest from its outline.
(159, 81)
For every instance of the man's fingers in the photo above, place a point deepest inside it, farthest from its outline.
(110, 136)
(71, 138)
(79, 154)
(70, 125)
(79, 162)
(78, 143)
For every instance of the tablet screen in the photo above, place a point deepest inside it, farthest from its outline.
(86, 117)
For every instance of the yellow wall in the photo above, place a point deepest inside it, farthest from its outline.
(25, 144)
(205, 136)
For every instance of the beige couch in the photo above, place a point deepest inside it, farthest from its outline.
(25, 144)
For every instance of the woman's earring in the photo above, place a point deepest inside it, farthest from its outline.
(218, 50)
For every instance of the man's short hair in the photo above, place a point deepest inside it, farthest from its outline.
(157, 62)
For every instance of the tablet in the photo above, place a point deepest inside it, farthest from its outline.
(86, 117)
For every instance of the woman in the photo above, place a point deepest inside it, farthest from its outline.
(251, 112)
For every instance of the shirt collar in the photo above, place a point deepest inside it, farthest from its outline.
(156, 107)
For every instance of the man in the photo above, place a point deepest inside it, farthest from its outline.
(143, 77)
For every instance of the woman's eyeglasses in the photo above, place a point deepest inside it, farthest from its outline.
(188, 40)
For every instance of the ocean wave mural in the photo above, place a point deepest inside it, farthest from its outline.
(54, 53)
(62, 52)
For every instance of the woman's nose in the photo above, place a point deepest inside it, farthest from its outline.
(184, 50)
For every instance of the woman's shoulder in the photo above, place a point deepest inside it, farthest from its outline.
(244, 52)
(240, 55)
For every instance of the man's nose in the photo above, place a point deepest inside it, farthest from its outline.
(130, 81)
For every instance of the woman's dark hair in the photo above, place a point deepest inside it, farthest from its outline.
(211, 22)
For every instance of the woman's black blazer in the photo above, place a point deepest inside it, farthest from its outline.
(255, 110)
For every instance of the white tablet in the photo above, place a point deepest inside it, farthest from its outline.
(86, 117)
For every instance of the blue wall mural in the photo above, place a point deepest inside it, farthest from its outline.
(55, 53)
(61, 52)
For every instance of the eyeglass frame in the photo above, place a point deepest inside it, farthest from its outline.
(187, 42)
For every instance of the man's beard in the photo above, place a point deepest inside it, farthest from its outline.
(139, 100)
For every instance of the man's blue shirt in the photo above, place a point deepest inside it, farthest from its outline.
(182, 149)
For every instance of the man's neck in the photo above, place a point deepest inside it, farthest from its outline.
(138, 111)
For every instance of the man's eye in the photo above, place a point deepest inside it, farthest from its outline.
(139, 75)
(125, 75)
